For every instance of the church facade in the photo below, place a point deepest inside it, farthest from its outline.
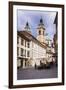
(32, 50)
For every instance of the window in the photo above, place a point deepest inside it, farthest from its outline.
(28, 44)
(25, 53)
(28, 53)
(22, 41)
(17, 40)
(25, 43)
(17, 51)
(22, 51)
(39, 32)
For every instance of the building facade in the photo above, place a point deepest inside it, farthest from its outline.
(23, 51)
(29, 50)
(32, 50)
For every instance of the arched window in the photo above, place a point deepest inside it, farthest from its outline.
(39, 32)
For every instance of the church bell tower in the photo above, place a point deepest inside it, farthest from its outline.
(27, 28)
(41, 31)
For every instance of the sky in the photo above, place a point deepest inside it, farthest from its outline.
(33, 18)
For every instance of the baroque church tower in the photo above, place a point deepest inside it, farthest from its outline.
(41, 32)
(27, 28)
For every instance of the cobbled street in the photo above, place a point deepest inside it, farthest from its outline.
(32, 73)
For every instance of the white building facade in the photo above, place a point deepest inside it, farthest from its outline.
(29, 52)
(32, 50)
(23, 52)
(38, 53)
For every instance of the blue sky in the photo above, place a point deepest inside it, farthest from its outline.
(33, 17)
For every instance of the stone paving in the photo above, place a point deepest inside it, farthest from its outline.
(31, 73)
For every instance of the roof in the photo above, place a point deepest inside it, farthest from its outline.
(22, 35)
(30, 37)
